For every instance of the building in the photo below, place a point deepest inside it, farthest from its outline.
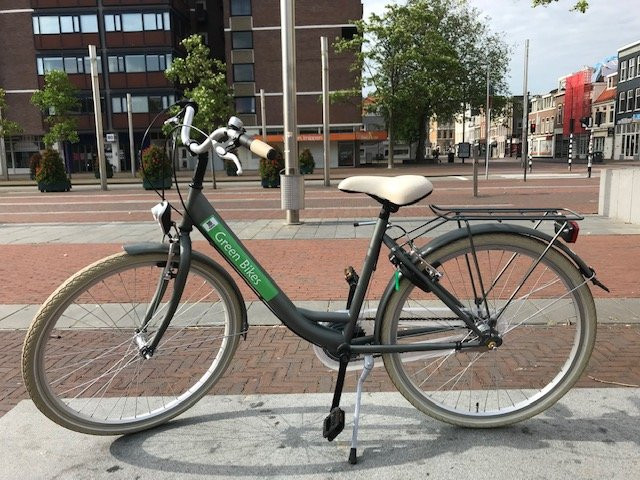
(542, 121)
(627, 119)
(576, 106)
(136, 41)
(603, 117)
(254, 63)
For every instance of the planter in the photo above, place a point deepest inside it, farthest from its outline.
(270, 182)
(161, 184)
(306, 169)
(64, 186)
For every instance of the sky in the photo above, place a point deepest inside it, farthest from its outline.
(560, 41)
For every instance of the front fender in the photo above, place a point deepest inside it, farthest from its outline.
(484, 229)
(157, 247)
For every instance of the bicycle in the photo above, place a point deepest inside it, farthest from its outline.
(484, 326)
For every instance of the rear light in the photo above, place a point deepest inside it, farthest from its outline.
(570, 230)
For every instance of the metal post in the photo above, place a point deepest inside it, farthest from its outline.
(288, 41)
(95, 88)
(570, 149)
(524, 147)
(132, 149)
(324, 51)
(263, 115)
(3, 153)
(589, 162)
(488, 122)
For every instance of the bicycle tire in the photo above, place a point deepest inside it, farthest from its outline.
(81, 345)
(548, 333)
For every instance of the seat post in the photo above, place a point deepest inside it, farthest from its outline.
(370, 263)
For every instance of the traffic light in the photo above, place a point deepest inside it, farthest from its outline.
(586, 122)
(533, 128)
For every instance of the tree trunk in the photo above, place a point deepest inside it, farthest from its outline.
(422, 135)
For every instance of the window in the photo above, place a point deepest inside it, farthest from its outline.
(88, 24)
(623, 71)
(243, 72)
(149, 21)
(70, 65)
(142, 103)
(245, 104)
(621, 102)
(637, 98)
(632, 68)
(241, 40)
(134, 63)
(49, 25)
(66, 25)
(137, 22)
(240, 7)
(611, 113)
(53, 24)
(629, 100)
(139, 63)
(131, 22)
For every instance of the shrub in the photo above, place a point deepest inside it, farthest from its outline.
(270, 169)
(34, 163)
(155, 164)
(51, 169)
(307, 163)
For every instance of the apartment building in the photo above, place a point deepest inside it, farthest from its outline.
(627, 120)
(542, 126)
(603, 117)
(254, 62)
(136, 41)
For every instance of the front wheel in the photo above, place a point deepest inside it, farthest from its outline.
(81, 360)
(547, 331)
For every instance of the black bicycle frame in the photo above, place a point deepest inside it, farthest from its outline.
(305, 323)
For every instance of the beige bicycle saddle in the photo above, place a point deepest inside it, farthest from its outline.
(401, 190)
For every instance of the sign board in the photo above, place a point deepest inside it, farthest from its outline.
(464, 150)
(111, 137)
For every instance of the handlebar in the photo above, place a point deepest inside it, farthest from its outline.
(234, 131)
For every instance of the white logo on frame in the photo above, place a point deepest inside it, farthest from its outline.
(210, 224)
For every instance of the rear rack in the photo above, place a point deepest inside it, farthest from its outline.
(464, 214)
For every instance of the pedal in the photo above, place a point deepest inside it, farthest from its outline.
(333, 424)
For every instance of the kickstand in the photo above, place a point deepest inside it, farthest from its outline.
(368, 366)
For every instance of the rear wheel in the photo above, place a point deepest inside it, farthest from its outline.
(547, 331)
(81, 359)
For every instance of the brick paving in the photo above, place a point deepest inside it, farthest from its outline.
(313, 270)
(273, 360)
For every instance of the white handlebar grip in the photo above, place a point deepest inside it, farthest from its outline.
(186, 127)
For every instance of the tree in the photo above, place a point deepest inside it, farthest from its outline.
(580, 5)
(202, 79)
(426, 58)
(7, 128)
(57, 100)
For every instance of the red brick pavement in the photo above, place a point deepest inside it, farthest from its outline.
(273, 360)
(304, 269)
